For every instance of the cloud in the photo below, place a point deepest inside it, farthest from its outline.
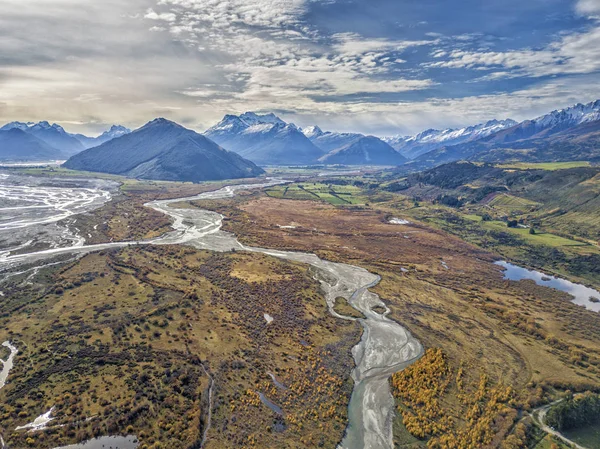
(577, 53)
(167, 17)
(91, 63)
(588, 7)
(271, 52)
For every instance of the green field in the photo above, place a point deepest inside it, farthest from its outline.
(332, 194)
(539, 238)
(588, 437)
(511, 203)
(545, 165)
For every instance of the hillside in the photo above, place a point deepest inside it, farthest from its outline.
(164, 150)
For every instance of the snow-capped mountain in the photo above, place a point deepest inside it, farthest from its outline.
(431, 139)
(550, 124)
(54, 135)
(112, 133)
(264, 139)
(17, 125)
(329, 141)
(575, 115)
(563, 135)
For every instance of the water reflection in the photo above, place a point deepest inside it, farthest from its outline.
(581, 294)
(128, 442)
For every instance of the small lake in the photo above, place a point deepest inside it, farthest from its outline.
(128, 442)
(581, 294)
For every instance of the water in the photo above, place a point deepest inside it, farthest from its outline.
(385, 347)
(116, 442)
(8, 363)
(581, 294)
(275, 408)
(36, 213)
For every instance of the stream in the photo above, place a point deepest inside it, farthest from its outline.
(385, 346)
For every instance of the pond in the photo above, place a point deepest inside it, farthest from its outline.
(582, 295)
(118, 442)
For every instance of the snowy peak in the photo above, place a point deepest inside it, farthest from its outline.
(575, 115)
(17, 125)
(115, 131)
(247, 122)
(312, 131)
(264, 139)
(251, 118)
(27, 126)
(431, 139)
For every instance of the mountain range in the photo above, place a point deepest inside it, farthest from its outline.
(431, 139)
(268, 140)
(164, 150)
(562, 135)
(46, 141)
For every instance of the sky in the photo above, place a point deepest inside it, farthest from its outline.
(383, 67)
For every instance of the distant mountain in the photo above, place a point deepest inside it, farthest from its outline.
(67, 143)
(164, 150)
(431, 139)
(352, 148)
(114, 132)
(19, 145)
(365, 150)
(54, 135)
(329, 141)
(264, 139)
(564, 135)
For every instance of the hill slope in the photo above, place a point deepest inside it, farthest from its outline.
(164, 150)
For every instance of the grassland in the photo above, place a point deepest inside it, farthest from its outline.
(126, 342)
(588, 437)
(545, 165)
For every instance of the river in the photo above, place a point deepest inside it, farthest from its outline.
(385, 347)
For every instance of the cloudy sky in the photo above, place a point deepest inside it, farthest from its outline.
(376, 66)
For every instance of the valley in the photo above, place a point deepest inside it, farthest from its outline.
(299, 224)
(513, 344)
(351, 306)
